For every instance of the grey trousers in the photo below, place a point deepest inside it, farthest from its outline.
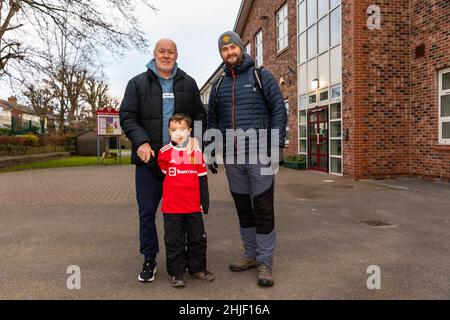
(253, 194)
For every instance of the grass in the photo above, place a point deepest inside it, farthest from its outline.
(75, 161)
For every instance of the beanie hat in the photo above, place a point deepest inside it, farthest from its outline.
(230, 37)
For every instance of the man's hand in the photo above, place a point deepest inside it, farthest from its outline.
(145, 152)
(213, 167)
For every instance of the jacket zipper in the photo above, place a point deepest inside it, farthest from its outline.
(162, 105)
(233, 74)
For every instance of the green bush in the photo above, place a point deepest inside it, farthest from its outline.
(4, 132)
(29, 140)
(297, 158)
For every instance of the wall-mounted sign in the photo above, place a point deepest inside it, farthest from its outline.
(374, 19)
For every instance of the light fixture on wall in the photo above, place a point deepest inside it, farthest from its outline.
(315, 84)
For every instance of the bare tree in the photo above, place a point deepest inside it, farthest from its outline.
(66, 63)
(95, 93)
(40, 100)
(108, 24)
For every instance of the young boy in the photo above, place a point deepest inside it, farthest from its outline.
(185, 199)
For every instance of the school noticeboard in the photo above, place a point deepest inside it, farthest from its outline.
(108, 123)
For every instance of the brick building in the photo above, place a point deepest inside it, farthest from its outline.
(367, 82)
(17, 115)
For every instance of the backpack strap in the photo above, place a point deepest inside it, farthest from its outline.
(257, 76)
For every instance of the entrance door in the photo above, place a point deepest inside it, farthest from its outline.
(318, 139)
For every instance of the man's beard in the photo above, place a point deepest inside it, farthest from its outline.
(238, 61)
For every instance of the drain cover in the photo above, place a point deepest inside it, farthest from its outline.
(376, 223)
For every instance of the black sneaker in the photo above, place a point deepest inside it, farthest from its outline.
(148, 272)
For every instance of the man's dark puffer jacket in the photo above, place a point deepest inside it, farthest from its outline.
(141, 108)
(250, 109)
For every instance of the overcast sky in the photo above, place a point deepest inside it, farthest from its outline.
(194, 25)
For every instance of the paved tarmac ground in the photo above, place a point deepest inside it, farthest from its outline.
(51, 219)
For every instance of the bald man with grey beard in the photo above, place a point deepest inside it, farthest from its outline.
(150, 99)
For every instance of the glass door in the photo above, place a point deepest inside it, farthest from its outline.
(318, 139)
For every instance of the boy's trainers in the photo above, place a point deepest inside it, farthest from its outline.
(204, 275)
(177, 282)
(148, 271)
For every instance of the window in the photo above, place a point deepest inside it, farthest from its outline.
(312, 42)
(324, 70)
(322, 7)
(323, 96)
(302, 79)
(335, 111)
(334, 3)
(258, 49)
(336, 92)
(312, 12)
(444, 106)
(282, 28)
(312, 99)
(324, 41)
(335, 138)
(302, 123)
(335, 26)
(302, 48)
(312, 72)
(302, 17)
(248, 49)
(302, 102)
(335, 65)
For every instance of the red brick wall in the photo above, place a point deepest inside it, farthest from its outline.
(376, 89)
(348, 88)
(390, 99)
(430, 26)
(283, 64)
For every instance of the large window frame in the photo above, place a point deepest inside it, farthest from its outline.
(443, 119)
(259, 49)
(282, 28)
(330, 87)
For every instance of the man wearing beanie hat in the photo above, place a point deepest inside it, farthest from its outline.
(248, 99)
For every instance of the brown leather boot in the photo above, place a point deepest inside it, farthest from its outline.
(243, 264)
(265, 278)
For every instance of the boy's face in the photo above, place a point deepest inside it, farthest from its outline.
(179, 131)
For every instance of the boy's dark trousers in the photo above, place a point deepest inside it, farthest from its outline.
(184, 231)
